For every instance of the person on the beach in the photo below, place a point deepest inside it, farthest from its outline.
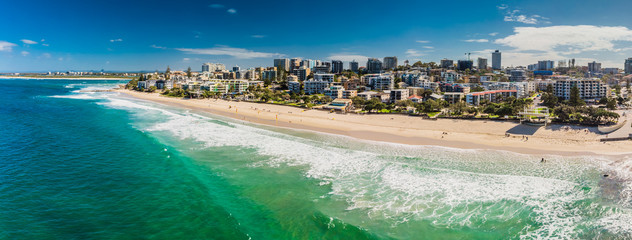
(542, 161)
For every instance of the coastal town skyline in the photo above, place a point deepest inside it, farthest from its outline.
(247, 34)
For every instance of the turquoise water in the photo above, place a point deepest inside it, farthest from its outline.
(77, 165)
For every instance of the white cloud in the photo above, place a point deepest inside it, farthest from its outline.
(493, 34)
(216, 5)
(45, 44)
(258, 36)
(414, 53)
(422, 41)
(566, 39)
(29, 42)
(502, 6)
(231, 10)
(6, 46)
(228, 51)
(157, 47)
(46, 55)
(25, 53)
(515, 16)
(477, 40)
(428, 47)
(116, 40)
(527, 45)
(186, 59)
(61, 59)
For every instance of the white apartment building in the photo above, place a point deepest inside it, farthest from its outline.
(315, 87)
(399, 94)
(294, 86)
(334, 92)
(589, 89)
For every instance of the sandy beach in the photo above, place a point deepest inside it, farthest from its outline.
(464, 134)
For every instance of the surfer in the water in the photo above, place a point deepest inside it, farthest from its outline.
(542, 161)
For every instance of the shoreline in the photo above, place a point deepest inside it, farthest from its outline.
(401, 129)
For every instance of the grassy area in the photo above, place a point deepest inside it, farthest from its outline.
(433, 114)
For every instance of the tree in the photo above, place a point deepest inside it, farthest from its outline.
(549, 88)
(189, 74)
(575, 99)
(358, 102)
(549, 100)
(617, 89)
(152, 89)
(458, 108)
(133, 84)
(325, 99)
(611, 104)
(374, 104)
(477, 89)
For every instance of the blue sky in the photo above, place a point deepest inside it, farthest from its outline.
(149, 35)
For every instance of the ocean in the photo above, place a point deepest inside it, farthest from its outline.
(102, 165)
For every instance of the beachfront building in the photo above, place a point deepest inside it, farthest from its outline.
(334, 92)
(224, 86)
(146, 84)
(524, 89)
(342, 105)
(491, 96)
(399, 94)
(328, 77)
(589, 89)
(453, 97)
(368, 95)
(348, 94)
(315, 87)
(293, 84)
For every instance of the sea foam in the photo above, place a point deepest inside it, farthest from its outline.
(450, 187)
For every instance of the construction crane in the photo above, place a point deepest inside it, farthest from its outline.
(468, 55)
